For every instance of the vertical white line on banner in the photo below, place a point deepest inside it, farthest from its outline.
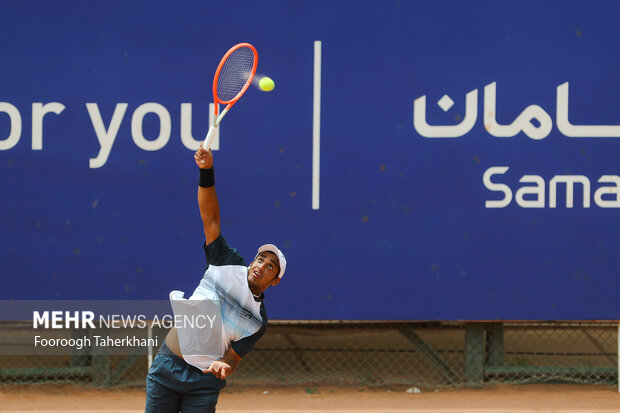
(215, 146)
(150, 348)
(316, 126)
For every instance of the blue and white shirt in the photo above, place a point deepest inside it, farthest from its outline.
(243, 316)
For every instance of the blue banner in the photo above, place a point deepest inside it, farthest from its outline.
(462, 164)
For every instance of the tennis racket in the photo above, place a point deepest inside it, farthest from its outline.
(232, 78)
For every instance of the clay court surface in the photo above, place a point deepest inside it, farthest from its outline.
(510, 398)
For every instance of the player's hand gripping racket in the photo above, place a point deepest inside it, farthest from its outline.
(232, 78)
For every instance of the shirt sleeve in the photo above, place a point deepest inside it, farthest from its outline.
(245, 345)
(219, 253)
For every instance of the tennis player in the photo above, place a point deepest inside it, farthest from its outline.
(189, 372)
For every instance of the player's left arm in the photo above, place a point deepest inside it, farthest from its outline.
(238, 349)
(225, 366)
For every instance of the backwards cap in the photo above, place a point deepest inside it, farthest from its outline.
(275, 250)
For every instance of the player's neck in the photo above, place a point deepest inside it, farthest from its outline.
(255, 292)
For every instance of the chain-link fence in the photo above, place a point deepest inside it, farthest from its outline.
(433, 354)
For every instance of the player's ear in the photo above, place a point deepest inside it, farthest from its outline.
(275, 282)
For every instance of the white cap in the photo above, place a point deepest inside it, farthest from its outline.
(275, 250)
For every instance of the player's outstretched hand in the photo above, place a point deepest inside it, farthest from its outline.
(203, 158)
(219, 369)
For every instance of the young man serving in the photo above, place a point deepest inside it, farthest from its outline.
(191, 366)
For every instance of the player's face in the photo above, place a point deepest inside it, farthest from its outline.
(263, 272)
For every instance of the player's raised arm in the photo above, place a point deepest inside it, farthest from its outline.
(207, 198)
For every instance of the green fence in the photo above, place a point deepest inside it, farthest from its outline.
(432, 354)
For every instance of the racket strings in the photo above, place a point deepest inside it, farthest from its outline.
(235, 73)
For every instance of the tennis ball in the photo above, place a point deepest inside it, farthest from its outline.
(266, 84)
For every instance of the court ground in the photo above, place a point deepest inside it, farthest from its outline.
(507, 398)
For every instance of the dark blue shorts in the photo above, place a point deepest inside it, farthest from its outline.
(172, 385)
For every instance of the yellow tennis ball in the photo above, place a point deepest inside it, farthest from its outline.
(266, 84)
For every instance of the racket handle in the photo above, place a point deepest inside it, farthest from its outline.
(209, 139)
